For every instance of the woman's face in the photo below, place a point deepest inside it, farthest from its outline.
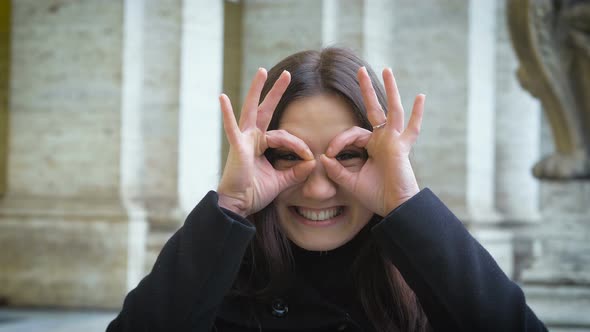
(317, 214)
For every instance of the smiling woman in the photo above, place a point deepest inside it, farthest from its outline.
(317, 214)
(318, 223)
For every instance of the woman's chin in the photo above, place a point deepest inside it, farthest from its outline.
(317, 246)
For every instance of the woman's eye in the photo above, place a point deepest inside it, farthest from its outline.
(347, 155)
(283, 159)
(287, 157)
(353, 160)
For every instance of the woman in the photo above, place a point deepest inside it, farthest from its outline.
(343, 237)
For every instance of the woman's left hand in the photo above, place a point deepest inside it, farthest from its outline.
(386, 180)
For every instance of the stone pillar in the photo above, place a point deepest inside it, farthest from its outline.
(518, 125)
(159, 104)
(482, 134)
(274, 29)
(447, 51)
(481, 111)
(342, 24)
(378, 36)
(5, 13)
(431, 56)
(200, 126)
(150, 117)
(364, 26)
(64, 228)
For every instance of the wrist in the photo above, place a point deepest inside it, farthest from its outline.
(234, 205)
(400, 199)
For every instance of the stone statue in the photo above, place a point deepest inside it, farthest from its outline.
(552, 42)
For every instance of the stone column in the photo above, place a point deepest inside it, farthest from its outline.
(432, 56)
(150, 116)
(5, 13)
(159, 104)
(364, 26)
(275, 29)
(200, 126)
(342, 23)
(518, 125)
(480, 137)
(447, 51)
(378, 37)
(482, 134)
(64, 228)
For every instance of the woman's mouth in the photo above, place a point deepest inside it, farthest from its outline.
(318, 214)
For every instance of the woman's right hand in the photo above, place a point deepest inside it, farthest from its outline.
(249, 181)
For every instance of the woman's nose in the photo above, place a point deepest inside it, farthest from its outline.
(318, 185)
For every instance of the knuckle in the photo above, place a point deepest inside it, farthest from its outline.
(281, 132)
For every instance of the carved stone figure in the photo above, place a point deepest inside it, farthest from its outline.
(552, 41)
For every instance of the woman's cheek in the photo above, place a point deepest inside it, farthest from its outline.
(353, 165)
(281, 165)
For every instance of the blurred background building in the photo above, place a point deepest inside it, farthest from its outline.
(110, 132)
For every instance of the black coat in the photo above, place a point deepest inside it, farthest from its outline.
(460, 286)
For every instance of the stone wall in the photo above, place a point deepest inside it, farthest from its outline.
(96, 155)
(5, 27)
(110, 102)
(63, 178)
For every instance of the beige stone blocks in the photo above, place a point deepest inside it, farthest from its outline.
(67, 261)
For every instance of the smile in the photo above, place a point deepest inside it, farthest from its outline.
(318, 214)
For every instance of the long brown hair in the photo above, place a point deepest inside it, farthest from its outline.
(386, 298)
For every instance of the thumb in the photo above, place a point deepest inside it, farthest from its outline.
(295, 174)
(338, 173)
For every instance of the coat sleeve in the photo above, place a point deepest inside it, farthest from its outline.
(192, 273)
(458, 283)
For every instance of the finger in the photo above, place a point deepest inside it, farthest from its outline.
(339, 173)
(413, 129)
(374, 110)
(232, 131)
(283, 139)
(295, 174)
(395, 115)
(270, 102)
(356, 136)
(250, 108)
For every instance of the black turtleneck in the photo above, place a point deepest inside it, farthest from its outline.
(330, 273)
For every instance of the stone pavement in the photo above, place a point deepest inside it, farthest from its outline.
(51, 320)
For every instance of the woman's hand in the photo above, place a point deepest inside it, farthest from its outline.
(249, 182)
(386, 180)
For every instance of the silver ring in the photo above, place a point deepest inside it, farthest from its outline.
(380, 125)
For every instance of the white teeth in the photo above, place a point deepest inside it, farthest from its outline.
(318, 215)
